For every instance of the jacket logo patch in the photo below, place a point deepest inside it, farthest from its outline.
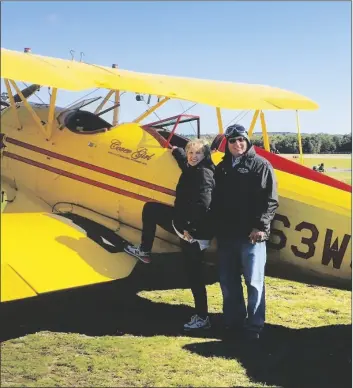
(243, 170)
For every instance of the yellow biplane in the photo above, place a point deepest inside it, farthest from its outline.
(68, 174)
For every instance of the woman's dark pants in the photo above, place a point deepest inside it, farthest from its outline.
(154, 214)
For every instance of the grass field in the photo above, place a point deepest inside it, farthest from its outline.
(128, 333)
(337, 166)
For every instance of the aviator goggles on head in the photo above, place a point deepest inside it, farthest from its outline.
(235, 131)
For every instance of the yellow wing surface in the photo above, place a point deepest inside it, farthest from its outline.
(72, 75)
(41, 253)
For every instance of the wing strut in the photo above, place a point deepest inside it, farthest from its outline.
(100, 106)
(299, 138)
(253, 122)
(13, 104)
(51, 112)
(219, 119)
(264, 132)
(151, 110)
(29, 108)
(117, 103)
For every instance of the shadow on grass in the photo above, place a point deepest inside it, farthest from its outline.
(315, 357)
(109, 308)
(284, 357)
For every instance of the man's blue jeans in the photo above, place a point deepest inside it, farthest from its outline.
(237, 257)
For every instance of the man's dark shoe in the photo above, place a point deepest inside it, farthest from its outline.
(251, 335)
(232, 332)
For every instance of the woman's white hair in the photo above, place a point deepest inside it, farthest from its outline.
(197, 143)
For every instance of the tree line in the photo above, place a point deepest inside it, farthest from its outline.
(318, 143)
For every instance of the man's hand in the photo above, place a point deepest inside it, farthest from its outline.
(256, 236)
(187, 235)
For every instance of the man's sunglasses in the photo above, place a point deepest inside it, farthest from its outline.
(234, 139)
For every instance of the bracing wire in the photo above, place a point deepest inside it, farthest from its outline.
(244, 115)
(236, 117)
(153, 112)
(188, 108)
(88, 94)
(185, 110)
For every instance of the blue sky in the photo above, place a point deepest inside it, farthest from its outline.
(300, 46)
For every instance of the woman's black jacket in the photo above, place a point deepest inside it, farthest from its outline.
(193, 196)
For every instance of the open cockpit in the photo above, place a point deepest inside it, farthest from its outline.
(81, 121)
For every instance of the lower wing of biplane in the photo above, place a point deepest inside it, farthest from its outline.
(42, 252)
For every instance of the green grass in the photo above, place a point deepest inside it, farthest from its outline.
(331, 162)
(307, 341)
(109, 362)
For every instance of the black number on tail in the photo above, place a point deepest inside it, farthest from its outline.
(275, 232)
(310, 242)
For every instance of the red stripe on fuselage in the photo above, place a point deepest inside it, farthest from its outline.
(92, 167)
(79, 178)
(282, 164)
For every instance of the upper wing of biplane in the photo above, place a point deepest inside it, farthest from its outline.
(72, 75)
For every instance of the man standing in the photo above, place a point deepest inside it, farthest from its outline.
(244, 204)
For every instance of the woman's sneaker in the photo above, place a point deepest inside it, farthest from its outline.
(197, 322)
(133, 250)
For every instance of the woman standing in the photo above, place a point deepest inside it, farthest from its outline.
(189, 219)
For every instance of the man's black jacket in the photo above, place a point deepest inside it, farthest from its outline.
(245, 196)
(194, 195)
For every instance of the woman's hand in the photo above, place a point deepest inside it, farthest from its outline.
(187, 235)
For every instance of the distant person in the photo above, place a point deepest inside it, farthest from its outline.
(321, 168)
(244, 204)
(189, 219)
(315, 168)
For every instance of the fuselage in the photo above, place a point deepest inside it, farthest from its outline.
(114, 171)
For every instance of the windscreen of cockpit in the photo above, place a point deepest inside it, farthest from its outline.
(184, 127)
(80, 121)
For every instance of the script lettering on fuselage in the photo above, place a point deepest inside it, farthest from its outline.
(140, 155)
(331, 252)
(116, 145)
